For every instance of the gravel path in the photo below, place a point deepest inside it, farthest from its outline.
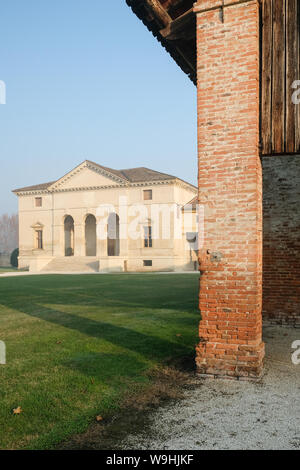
(224, 414)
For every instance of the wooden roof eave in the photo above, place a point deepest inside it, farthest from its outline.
(175, 35)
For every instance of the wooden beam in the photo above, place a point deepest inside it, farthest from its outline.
(279, 75)
(184, 27)
(159, 12)
(175, 4)
(266, 78)
(297, 143)
(190, 64)
(291, 74)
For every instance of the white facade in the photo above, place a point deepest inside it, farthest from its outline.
(98, 219)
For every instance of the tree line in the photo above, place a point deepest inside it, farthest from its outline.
(9, 233)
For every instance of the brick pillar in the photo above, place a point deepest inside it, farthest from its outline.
(230, 188)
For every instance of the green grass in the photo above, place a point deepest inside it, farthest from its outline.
(77, 344)
(7, 270)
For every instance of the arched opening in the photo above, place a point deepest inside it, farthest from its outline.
(69, 235)
(113, 235)
(90, 236)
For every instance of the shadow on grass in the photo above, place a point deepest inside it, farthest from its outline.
(149, 346)
(134, 319)
(111, 368)
(173, 292)
(159, 297)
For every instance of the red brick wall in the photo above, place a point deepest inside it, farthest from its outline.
(230, 188)
(281, 252)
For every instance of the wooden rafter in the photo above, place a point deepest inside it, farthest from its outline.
(184, 27)
(160, 13)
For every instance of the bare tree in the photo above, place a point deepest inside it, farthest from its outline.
(9, 233)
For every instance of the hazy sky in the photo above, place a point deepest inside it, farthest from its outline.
(86, 80)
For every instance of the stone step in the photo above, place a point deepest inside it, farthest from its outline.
(72, 264)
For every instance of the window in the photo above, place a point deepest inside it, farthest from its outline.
(113, 235)
(148, 262)
(38, 202)
(148, 195)
(39, 239)
(148, 236)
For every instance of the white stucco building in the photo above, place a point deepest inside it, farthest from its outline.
(98, 219)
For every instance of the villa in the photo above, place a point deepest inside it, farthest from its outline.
(101, 220)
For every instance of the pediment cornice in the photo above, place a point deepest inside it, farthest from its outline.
(87, 164)
(60, 189)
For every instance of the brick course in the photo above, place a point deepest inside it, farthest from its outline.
(230, 188)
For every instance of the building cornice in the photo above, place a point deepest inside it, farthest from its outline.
(56, 190)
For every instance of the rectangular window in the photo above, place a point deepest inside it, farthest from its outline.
(39, 239)
(148, 237)
(148, 195)
(38, 202)
(148, 262)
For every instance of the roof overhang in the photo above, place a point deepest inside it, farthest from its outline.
(173, 23)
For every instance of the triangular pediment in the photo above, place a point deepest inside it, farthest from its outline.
(87, 175)
(37, 226)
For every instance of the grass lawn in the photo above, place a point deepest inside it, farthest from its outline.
(7, 270)
(77, 344)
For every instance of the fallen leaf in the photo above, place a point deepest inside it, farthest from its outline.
(99, 418)
(17, 411)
